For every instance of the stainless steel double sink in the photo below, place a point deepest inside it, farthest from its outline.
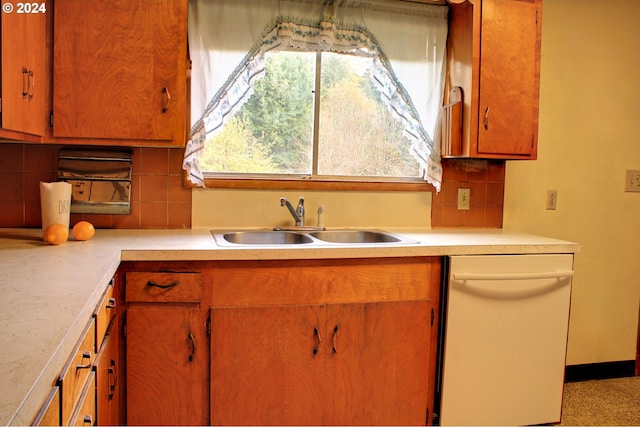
(293, 237)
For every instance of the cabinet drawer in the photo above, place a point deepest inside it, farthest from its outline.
(104, 313)
(85, 413)
(76, 372)
(163, 287)
(107, 379)
(49, 414)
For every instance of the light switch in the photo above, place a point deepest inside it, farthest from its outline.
(552, 200)
(632, 181)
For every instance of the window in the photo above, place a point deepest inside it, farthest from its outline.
(315, 96)
(274, 134)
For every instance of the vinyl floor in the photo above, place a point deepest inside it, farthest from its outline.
(609, 402)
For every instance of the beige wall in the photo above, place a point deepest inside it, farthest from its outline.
(261, 208)
(589, 135)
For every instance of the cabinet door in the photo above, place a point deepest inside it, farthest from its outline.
(267, 365)
(378, 358)
(119, 69)
(167, 359)
(23, 71)
(509, 77)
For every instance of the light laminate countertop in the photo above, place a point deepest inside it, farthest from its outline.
(48, 293)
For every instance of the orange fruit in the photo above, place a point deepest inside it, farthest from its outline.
(83, 230)
(56, 234)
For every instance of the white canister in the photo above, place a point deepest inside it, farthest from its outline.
(55, 203)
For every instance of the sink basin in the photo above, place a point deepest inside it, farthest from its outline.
(355, 236)
(303, 237)
(265, 238)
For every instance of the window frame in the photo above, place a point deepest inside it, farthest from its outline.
(313, 182)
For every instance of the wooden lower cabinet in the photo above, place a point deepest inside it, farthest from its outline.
(263, 367)
(283, 342)
(88, 390)
(336, 364)
(333, 342)
(378, 364)
(166, 366)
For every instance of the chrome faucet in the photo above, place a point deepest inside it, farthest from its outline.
(298, 213)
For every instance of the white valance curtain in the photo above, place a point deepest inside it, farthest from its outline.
(407, 41)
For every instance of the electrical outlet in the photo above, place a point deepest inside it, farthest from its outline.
(632, 182)
(552, 200)
(464, 199)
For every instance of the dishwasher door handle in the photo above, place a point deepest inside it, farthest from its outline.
(512, 276)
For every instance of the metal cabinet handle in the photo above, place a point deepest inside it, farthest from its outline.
(25, 82)
(316, 349)
(32, 84)
(85, 355)
(87, 420)
(192, 344)
(334, 339)
(113, 378)
(111, 303)
(167, 286)
(165, 91)
(486, 119)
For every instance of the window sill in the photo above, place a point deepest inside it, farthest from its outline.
(326, 185)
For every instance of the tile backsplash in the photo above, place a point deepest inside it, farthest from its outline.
(485, 179)
(159, 200)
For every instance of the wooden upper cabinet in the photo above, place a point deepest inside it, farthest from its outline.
(494, 57)
(23, 73)
(119, 71)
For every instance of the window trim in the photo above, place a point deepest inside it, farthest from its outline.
(310, 184)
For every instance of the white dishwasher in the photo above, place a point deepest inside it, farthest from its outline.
(505, 338)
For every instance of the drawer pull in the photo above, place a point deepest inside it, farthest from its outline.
(111, 303)
(85, 355)
(88, 420)
(167, 286)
